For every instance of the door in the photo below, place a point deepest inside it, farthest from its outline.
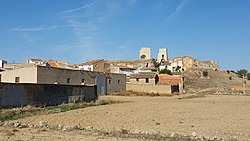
(101, 83)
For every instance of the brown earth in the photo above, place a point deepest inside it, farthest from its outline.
(225, 117)
(216, 81)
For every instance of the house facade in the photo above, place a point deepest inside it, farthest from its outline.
(155, 83)
(106, 82)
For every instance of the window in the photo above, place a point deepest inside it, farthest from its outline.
(0, 77)
(162, 56)
(147, 80)
(83, 81)
(109, 81)
(17, 79)
(118, 82)
(137, 79)
(68, 80)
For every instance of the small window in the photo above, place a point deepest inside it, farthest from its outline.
(83, 81)
(137, 79)
(17, 79)
(68, 80)
(118, 82)
(109, 81)
(0, 78)
(147, 80)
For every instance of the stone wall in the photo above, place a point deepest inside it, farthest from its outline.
(13, 95)
(161, 89)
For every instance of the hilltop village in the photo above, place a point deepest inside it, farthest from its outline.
(41, 82)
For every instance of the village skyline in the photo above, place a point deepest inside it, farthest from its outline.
(80, 31)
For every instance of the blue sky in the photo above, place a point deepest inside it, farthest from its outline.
(82, 30)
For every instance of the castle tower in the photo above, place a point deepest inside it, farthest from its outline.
(145, 53)
(162, 55)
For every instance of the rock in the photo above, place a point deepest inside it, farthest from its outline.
(194, 134)
(59, 127)
(172, 135)
(17, 124)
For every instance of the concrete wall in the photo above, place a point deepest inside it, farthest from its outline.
(116, 83)
(26, 75)
(161, 89)
(12, 95)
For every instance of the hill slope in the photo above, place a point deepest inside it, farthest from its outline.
(195, 80)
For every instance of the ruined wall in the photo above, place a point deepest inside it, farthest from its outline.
(12, 95)
(161, 89)
(162, 54)
(145, 53)
(188, 62)
(131, 63)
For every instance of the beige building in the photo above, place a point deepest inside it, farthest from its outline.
(106, 82)
(155, 83)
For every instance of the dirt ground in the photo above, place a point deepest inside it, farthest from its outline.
(218, 116)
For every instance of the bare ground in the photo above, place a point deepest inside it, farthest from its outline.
(225, 117)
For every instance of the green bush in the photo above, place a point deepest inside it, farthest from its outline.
(165, 71)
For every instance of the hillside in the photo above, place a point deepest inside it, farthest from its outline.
(216, 82)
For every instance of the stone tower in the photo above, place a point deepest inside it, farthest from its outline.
(145, 53)
(162, 55)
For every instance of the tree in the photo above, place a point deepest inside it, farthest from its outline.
(155, 63)
(242, 72)
(165, 71)
(248, 76)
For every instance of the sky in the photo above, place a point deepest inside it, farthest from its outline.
(82, 30)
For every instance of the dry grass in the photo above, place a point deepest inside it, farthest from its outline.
(16, 113)
(238, 87)
(134, 93)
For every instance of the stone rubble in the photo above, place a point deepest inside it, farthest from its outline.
(157, 135)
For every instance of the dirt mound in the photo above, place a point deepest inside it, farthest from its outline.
(220, 82)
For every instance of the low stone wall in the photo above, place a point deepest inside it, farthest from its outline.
(13, 95)
(161, 89)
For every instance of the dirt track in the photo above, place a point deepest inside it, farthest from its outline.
(221, 116)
